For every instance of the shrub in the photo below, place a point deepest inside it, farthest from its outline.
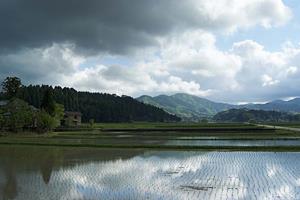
(17, 114)
(45, 122)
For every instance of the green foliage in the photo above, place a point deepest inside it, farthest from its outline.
(188, 107)
(2, 119)
(45, 122)
(193, 108)
(11, 86)
(245, 115)
(98, 106)
(92, 123)
(48, 103)
(204, 120)
(59, 111)
(17, 114)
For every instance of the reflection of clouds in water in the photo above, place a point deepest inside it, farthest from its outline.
(215, 175)
(271, 170)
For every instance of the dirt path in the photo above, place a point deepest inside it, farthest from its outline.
(280, 127)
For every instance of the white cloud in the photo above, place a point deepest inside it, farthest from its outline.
(231, 15)
(262, 68)
(247, 72)
(132, 81)
(184, 60)
(268, 80)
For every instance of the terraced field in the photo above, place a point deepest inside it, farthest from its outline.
(150, 175)
(287, 124)
(242, 137)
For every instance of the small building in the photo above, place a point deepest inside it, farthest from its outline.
(71, 119)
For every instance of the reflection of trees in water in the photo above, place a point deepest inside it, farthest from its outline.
(46, 168)
(16, 160)
(9, 190)
(21, 159)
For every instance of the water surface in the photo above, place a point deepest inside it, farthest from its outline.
(85, 173)
(237, 143)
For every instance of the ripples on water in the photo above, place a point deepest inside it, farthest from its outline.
(66, 173)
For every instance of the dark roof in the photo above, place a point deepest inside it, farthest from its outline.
(72, 113)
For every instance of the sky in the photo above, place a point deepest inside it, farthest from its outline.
(225, 50)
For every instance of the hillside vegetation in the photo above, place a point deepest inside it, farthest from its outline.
(98, 106)
(245, 115)
(193, 108)
(188, 107)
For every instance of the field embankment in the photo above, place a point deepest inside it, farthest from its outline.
(222, 137)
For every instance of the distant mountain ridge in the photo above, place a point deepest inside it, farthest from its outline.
(186, 106)
(277, 105)
(246, 115)
(193, 108)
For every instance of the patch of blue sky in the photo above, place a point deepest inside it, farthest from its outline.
(271, 38)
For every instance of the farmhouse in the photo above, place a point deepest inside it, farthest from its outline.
(71, 119)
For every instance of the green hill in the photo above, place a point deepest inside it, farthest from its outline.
(277, 105)
(101, 107)
(245, 115)
(188, 107)
(193, 108)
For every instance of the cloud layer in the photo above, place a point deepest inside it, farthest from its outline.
(170, 47)
(118, 26)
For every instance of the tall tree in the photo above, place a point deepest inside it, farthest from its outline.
(101, 107)
(20, 115)
(48, 103)
(11, 86)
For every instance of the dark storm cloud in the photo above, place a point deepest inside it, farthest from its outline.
(115, 26)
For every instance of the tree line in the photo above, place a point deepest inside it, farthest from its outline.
(17, 115)
(246, 115)
(100, 107)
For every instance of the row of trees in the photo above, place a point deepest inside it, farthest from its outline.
(101, 107)
(42, 107)
(245, 115)
(17, 115)
(33, 94)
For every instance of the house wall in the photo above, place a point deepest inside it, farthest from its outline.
(72, 120)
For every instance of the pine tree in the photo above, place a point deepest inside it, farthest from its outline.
(11, 86)
(48, 103)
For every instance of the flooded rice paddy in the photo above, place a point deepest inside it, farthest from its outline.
(238, 143)
(31, 172)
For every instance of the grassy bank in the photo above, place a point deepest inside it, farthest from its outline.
(286, 124)
(165, 125)
(148, 126)
(162, 147)
(156, 135)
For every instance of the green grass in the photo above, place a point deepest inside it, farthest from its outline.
(152, 127)
(146, 135)
(162, 147)
(286, 124)
(166, 125)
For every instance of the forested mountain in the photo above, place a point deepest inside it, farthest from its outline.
(186, 106)
(191, 107)
(98, 106)
(245, 115)
(278, 105)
